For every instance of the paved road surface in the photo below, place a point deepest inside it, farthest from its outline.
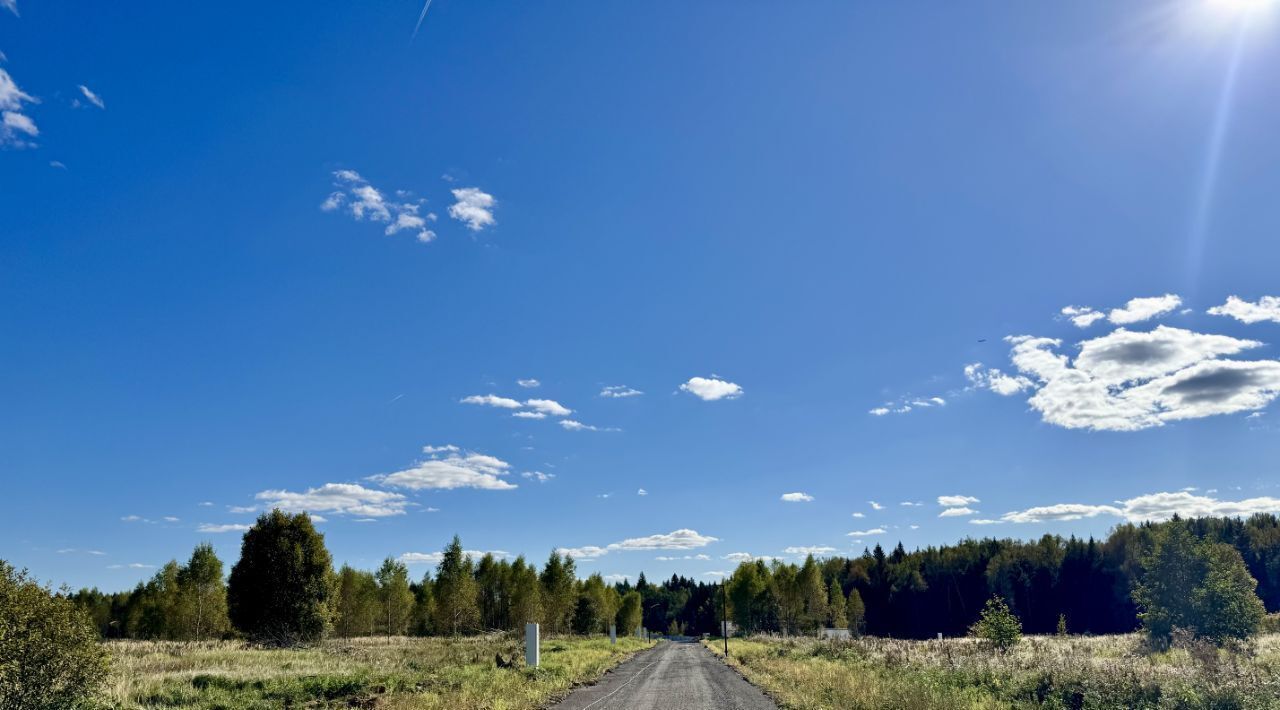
(674, 675)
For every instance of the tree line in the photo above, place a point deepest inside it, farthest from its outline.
(284, 588)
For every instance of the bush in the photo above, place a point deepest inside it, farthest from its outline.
(280, 590)
(50, 657)
(997, 625)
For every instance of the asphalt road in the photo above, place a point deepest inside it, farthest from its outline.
(674, 675)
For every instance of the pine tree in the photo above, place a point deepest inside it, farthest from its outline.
(455, 591)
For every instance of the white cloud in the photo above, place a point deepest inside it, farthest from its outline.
(205, 504)
(574, 425)
(1141, 309)
(433, 558)
(956, 501)
(683, 539)
(538, 476)
(738, 557)
(1150, 507)
(710, 389)
(92, 97)
(957, 512)
(879, 411)
(225, 528)
(985, 521)
(1126, 380)
(797, 497)
(548, 406)
(716, 573)
(529, 415)
(911, 504)
(242, 508)
(1266, 309)
(473, 207)
(1082, 316)
(642, 492)
(170, 519)
(491, 400)
(529, 383)
(908, 404)
(806, 550)
(619, 391)
(616, 578)
(341, 498)
(589, 552)
(671, 558)
(867, 533)
(874, 505)
(457, 469)
(364, 201)
(982, 377)
(13, 123)
(858, 515)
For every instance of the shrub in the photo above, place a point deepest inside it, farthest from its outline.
(280, 589)
(50, 657)
(997, 625)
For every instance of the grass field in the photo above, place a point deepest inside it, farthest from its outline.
(1041, 672)
(398, 673)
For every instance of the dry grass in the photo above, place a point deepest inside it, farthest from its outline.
(400, 673)
(1041, 672)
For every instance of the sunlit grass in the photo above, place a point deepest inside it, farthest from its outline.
(400, 673)
(1049, 672)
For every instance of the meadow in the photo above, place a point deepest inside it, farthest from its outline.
(1040, 672)
(386, 673)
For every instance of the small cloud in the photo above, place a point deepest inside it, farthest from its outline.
(914, 527)
(874, 505)
(642, 492)
(1141, 309)
(911, 504)
(867, 533)
(859, 515)
(538, 476)
(956, 501)
(473, 207)
(223, 528)
(529, 415)
(456, 469)
(170, 519)
(11, 6)
(797, 497)
(205, 504)
(710, 389)
(815, 550)
(716, 573)
(573, 425)
(956, 512)
(58, 164)
(529, 383)
(1266, 309)
(1082, 316)
(241, 508)
(92, 97)
(364, 201)
(548, 406)
(985, 521)
(619, 392)
(492, 400)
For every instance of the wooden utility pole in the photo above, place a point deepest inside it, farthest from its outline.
(724, 616)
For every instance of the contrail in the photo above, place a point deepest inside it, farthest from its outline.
(421, 17)
(1213, 160)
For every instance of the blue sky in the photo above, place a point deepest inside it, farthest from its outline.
(267, 251)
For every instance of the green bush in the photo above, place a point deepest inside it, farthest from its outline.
(50, 657)
(997, 625)
(281, 588)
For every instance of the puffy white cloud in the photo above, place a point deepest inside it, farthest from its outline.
(364, 201)
(457, 469)
(341, 498)
(797, 497)
(473, 207)
(13, 123)
(806, 550)
(710, 389)
(1141, 309)
(529, 383)
(548, 406)
(1082, 316)
(1266, 309)
(867, 533)
(957, 512)
(1150, 507)
(983, 377)
(956, 501)
(590, 552)
(224, 528)
(492, 400)
(1060, 511)
(683, 539)
(619, 391)
(92, 97)
(1127, 380)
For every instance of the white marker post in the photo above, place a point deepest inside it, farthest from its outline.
(613, 634)
(531, 647)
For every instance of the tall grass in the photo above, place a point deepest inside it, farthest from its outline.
(399, 673)
(1040, 672)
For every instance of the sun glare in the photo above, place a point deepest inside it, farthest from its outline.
(1243, 8)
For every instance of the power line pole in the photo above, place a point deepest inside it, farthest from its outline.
(724, 616)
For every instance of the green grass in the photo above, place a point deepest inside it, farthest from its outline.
(1040, 672)
(398, 673)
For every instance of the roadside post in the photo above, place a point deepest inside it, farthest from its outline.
(531, 648)
(724, 616)
(613, 634)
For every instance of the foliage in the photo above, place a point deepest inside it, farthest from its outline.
(855, 613)
(356, 603)
(630, 612)
(202, 597)
(559, 595)
(997, 626)
(50, 656)
(394, 597)
(281, 588)
(1197, 585)
(456, 607)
